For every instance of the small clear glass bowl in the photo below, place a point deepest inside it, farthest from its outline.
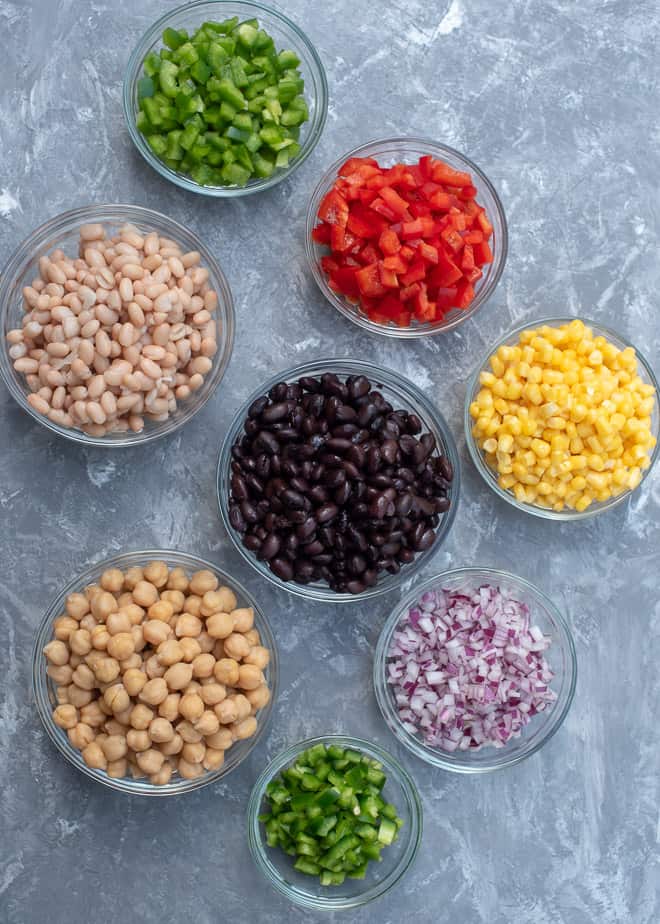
(490, 475)
(402, 394)
(286, 35)
(560, 655)
(388, 151)
(62, 232)
(305, 890)
(44, 690)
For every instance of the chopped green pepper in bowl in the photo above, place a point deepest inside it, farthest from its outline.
(334, 822)
(225, 98)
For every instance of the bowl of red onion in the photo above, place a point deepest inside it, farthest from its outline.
(475, 670)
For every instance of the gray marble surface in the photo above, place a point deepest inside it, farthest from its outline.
(558, 102)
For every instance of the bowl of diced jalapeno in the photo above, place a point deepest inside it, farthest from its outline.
(225, 98)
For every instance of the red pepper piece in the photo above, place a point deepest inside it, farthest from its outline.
(442, 201)
(356, 163)
(446, 297)
(473, 275)
(484, 224)
(482, 253)
(426, 165)
(343, 281)
(368, 280)
(391, 198)
(443, 173)
(387, 276)
(367, 196)
(419, 209)
(409, 292)
(473, 237)
(368, 255)
(468, 192)
(406, 253)
(334, 209)
(424, 309)
(428, 252)
(465, 294)
(337, 237)
(416, 273)
(329, 265)
(321, 234)
(389, 242)
(363, 222)
(452, 238)
(380, 206)
(467, 258)
(412, 228)
(396, 264)
(390, 306)
(446, 273)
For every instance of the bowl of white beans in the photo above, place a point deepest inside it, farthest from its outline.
(196, 632)
(117, 325)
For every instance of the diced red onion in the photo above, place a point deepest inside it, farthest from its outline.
(469, 671)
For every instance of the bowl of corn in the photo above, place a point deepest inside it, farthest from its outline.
(561, 418)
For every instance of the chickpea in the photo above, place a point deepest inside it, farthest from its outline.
(93, 715)
(226, 711)
(81, 735)
(259, 697)
(188, 626)
(191, 707)
(112, 580)
(132, 577)
(218, 650)
(63, 626)
(62, 695)
(243, 706)
(190, 648)
(75, 660)
(134, 681)
(207, 723)
(163, 776)
(243, 619)
(170, 652)
(100, 637)
(213, 759)
(141, 716)
(150, 761)
(205, 642)
(102, 605)
(178, 580)
(134, 612)
(169, 708)
(157, 573)
(252, 638)
(114, 747)
(202, 665)
(144, 593)
(113, 727)
(118, 622)
(187, 770)
(161, 730)
(80, 642)
(154, 691)
(220, 625)
(88, 622)
(138, 739)
(228, 599)
(84, 678)
(201, 581)
(57, 653)
(93, 659)
(117, 768)
(194, 752)
(77, 606)
(173, 746)
(132, 662)
(124, 717)
(136, 773)
(178, 676)
(116, 698)
(155, 632)
(212, 602)
(193, 687)
(138, 638)
(61, 675)
(226, 671)
(236, 646)
(161, 611)
(175, 599)
(193, 605)
(188, 732)
(250, 677)
(213, 693)
(258, 656)
(94, 756)
(221, 740)
(66, 716)
(124, 600)
(78, 697)
(121, 646)
(91, 591)
(245, 728)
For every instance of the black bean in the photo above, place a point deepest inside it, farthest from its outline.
(332, 386)
(249, 512)
(236, 518)
(338, 446)
(278, 391)
(414, 423)
(274, 412)
(304, 569)
(251, 542)
(306, 529)
(291, 542)
(269, 547)
(403, 504)
(334, 477)
(427, 540)
(294, 392)
(356, 455)
(446, 468)
(252, 426)
(258, 406)
(357, 564)
(281, 568)
(389, 451)
(405, 556)
(378, 507)
(326, 513)
(318, 494)
(441, 504)
(298, 516)
(370, 577)
(327, 535)
(358, 385)
(254, 484)
(381, 482)
(309, 383)
(238, 488)
(342, 494)
(355, 587)
(267, 441)
(366, 414)
(345, 413)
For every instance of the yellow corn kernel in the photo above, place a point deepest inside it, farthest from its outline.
(499, 389)
(540, 448)
(485, 398)
(578, 483)
(490, 445)
(604, 427)
(558, 506)
(519, 492)
(559, 442)
(506, 481)
(578, 463)
(579, 412)
(583, 502)
(576, 445)
(513, 391)
(474, 409)
(596, 463)
(597, 480)
(501, 405)
(497, 365)
(505, 443)
(487, 379)
(594, 444)
(543, 488)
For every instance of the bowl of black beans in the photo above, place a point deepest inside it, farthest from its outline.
(338, 479)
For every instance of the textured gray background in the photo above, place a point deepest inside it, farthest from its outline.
(559, 104)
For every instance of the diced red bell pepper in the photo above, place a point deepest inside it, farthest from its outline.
(389, 242)
(363, 222)
(482, 253)
(446, 273)
(416, 273)
(368, 280)
(473, 237)
(379, 205)
(428, 252)
(337, 237)
(472, 275)
(368, 255)
(329, 265)
(467, 258)
(419, 210)
(396, 264)
(321, 233)
(465, 294)
(424, 309)
(406, 253)
(356, 163)
(442, 201)
(391, 198)
(443, 173)
(387, 276)
(485, 224)
(343, 281)
(468, 192)
(446, 297)
(334, 209)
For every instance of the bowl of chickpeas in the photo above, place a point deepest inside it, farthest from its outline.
(155, 672)
(561, 418)
(116, 325)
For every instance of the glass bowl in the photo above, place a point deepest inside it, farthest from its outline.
(490, 476)
(286, 35)
(402, 394)
(44, 688)
(62, 232)
(305, 890)
(560, 655)
(388, 151)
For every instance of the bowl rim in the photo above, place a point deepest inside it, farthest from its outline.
(416, 397)
(259, 851)
(105, 213)
(133, 71)
(437, 757)
(349, 310)
(486, 472)
(39, 681)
